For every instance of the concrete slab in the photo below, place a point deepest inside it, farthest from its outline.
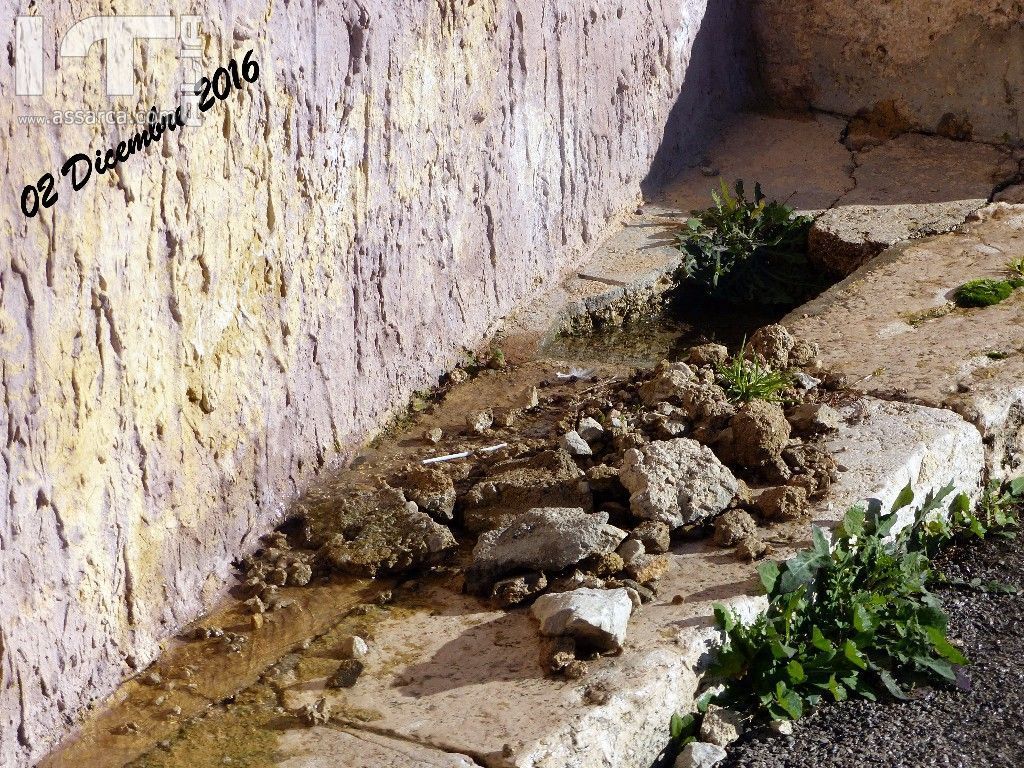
(914, 168)
(892, 329)
(638, 254)
(886, 445)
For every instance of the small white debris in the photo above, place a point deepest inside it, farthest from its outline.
(782, 727)
(479, 421)
(464, 454)
(575, 445)
(697, 754)
(449, 457)
(576, 373)
(491, 448)
(354, 647)
(595, 616)
(805, 381)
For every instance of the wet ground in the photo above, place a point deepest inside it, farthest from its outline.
(688, 319)
(973, 728)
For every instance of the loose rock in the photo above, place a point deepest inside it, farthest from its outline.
(676, 482)
(479, 421)
(432, 490)
(574, 444)
(760, 434)
(549, 479)
(317, 713)
(773, 343)
(630, 549)
(782, 503)
(813, 418)
(647, 568)
(354, 647)
(546, 539)
(590, 429)
(708, 354)
(347, 674)
(733, 526)
(721, 726)
(669, 381)
(595, 617)
(518, 589)
(751, 548)
(655, 536)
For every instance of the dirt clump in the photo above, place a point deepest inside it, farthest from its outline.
(783, 503)
(733, 526)
(370, 531)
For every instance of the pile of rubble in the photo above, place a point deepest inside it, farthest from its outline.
(574, 511)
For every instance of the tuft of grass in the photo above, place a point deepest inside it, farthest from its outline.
(915, 319)
(744, 380)
(744, 250)
(853, 615)
(1015, 268)
(983, 293)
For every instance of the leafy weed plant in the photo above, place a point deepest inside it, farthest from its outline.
(744, 380)
(745, 250)
(854, 617)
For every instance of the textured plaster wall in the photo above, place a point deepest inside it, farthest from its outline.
(963, 58)
(187, 340)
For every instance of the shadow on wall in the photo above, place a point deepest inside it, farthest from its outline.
(720, 79)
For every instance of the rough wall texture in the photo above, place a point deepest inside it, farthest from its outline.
(184, 342)
(956, 66)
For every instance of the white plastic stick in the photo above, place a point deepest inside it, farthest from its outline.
(449, 457)
(464, 454)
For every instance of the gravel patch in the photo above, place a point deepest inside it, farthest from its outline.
(969, 728)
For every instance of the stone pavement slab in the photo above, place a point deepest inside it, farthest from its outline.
(892, 328)
(331, 747)
(799, 159)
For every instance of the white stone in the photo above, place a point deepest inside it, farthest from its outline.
(575, 445)
(698, 754)
(354, 647)
(630, 549)
(589, 429)
(596, 616)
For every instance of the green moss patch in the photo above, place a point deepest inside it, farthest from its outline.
(983, 293)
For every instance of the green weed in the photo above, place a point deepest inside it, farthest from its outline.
(748, 250)
(744, 380)
(853, 616)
